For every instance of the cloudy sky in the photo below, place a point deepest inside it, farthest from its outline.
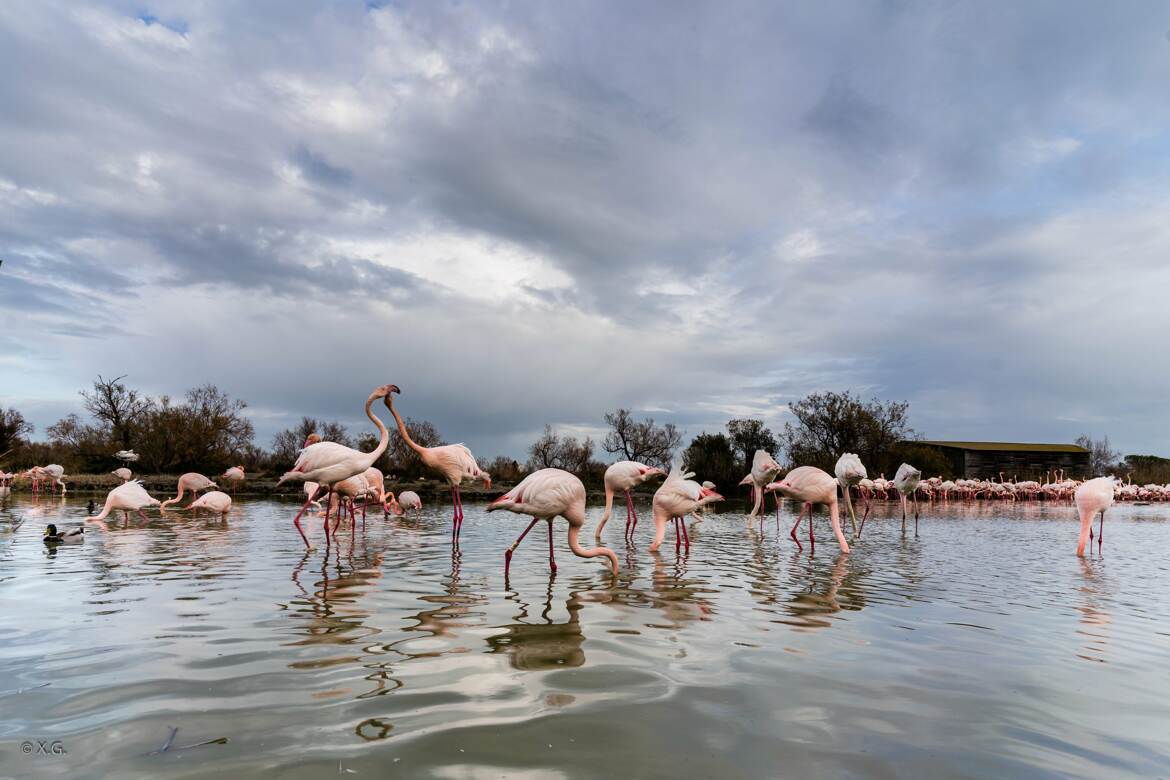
(536, 212)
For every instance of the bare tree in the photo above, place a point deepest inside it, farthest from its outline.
(551, 451)
(829, 424)
(14, 430)
(116, 405)
(642, 440)
(1102, 457)
(402, 459)
(287, 443)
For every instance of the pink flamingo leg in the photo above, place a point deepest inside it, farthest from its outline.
(682, 521)
(633, 514)
(629, 519)
(916, 514)
(864, 514)
(515, 544)
(812, 542)
(297, 519)
(143, 515)
(1101, 534)
(792, 533)
(552, 561)
(454, 516)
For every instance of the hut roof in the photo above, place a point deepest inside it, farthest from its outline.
(1005, 446)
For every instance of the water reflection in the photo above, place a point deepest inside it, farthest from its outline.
(532, 645)
(1094, 616)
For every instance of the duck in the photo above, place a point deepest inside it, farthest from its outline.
(53, 536)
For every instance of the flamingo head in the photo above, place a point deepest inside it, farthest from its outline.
(487, 480)
(313, 439)
(709, 494)
(746, 480)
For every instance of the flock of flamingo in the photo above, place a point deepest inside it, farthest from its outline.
(344, 476)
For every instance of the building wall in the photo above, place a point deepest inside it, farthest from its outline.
(987, 464)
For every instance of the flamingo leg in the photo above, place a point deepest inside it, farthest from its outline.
(1101, 534)
(903, 496)
(297, 519)
(552, 561)
(868, 506)
(454, 516)
(633, 514)
(812, 542)
(682, 521)
(916, 514)
(143, 515)
(792, 533)
(515, 544)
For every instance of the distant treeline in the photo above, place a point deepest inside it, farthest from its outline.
(208, 431)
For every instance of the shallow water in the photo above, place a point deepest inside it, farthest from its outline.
(982, 648)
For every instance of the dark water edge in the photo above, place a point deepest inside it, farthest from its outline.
(983, 648)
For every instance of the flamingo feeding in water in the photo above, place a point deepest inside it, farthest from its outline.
(408, 501)
(215, 501)
(809, 486)
(850, 471)
(454, 461)
(906, 483)
(764, 470)
(329, 463)
(676, 498)
(123, 474)
(1093, 497)
(622, 477)
(129, 497)
(543, 495)
(192, 481)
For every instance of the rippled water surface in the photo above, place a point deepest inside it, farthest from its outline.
(982, 648)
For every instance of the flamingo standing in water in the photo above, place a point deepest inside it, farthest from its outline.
(850, 472)
(906, 483)
(129, 497)
(234, 476)
(624, 476)
(764, 470)
(676, 498)
(329, 463)
(192, 481)
(809, 486)
(123, 474)
(454, 461)
(1092, 498)
(216, 501)
(543, 495)
(54, 473)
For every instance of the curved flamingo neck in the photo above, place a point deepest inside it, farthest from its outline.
(405, 434)
(105, 510)
(384, 434)
(581, 552)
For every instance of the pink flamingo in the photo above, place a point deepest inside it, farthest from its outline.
(190, 481)
(234, 476)
(676, 498)
(544, 495)
(123, 474)
(454, 461)
(129, 497)
(764, 470)
(809, 485)
(1093, 497)
(850, 471)
(408, 501)
(906, 483)
(215, 501)
(329, 463)
(624, 476)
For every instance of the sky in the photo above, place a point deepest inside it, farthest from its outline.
(526, 213)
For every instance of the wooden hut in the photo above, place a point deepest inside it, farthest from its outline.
(988, 459)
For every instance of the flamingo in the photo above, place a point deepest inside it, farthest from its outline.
(544, 495)
(123, 474)
(906, 483)
(810, 485)
(234, 476)
(1093, 497)
(408, 500)
(676, 498)
(54, 473)
(128, 456)
(311, 493)
(215, 500)
(129, 497)
(454, 461)
(850, 471)
(328, 462)
(764, 470)
(192, 481)
(624, 476)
